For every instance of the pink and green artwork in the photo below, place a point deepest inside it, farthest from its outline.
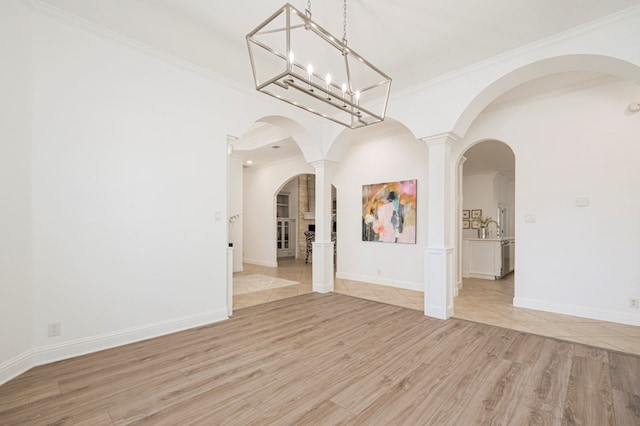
(389, 212)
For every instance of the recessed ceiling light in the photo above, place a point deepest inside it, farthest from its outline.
(249, 162)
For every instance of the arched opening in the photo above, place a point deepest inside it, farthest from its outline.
(486, 231)
(265, 164)
(573, 134)
(537, 71)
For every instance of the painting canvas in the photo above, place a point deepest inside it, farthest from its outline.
(389, 212)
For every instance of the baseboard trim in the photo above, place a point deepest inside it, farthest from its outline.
(73, 348)
(578, 311)
(407, 285)
(16, 366)
(260, 262)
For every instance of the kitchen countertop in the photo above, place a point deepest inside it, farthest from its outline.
(489, 239)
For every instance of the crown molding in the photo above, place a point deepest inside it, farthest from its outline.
(63, 15)
(40, 6)
(522, 50)
(441, 138)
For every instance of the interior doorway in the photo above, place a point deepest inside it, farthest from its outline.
(486, 231)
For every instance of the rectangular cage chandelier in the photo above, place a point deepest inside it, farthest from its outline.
(297, 61)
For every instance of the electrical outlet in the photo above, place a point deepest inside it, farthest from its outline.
(633, 303)
(54, 329)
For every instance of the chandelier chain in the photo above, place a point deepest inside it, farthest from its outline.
(344, 24)
(309, 7)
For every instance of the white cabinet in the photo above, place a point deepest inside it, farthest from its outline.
(486, 258)
(282, 205)
(285, 241)
(285, 227)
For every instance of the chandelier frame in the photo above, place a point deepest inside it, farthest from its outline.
(342, 102)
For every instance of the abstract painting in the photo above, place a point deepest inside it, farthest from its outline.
(389, 212)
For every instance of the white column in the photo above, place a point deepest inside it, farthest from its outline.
(439, 255)
(323, 246)
(458, 226)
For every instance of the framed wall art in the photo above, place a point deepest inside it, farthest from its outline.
(389, 212)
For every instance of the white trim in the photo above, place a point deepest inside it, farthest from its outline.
(578, 311)
(16, 366)
(260, 262)
(73, 348)
(407, 285)
(487, 276)
(520, 51)
(441, 138)
(61, 14)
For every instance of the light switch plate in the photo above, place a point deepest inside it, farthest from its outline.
(582, 201)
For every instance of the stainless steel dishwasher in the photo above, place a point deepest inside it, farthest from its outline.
(504, 267)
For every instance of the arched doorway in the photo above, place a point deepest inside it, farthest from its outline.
(556, 126)
(264, 165)
(486, 231)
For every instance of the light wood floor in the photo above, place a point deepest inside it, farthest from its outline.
(485, 301)
(333, 359)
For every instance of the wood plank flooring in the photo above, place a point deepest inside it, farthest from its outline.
(333, 359)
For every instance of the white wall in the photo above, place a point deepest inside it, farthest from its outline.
(15, 189)
(261, 184)
(114, 156)
(478, 194)
(486, 191)
(129, 172)
(576, 260)
(375, 160)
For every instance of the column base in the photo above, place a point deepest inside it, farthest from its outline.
(439, 284)
(322, 267)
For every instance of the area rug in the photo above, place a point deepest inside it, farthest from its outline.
(257, 282)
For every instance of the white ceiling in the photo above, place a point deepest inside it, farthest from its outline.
(489, 156)
(411, 40)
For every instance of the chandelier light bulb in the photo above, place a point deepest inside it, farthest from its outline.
(328, 81)
(291, 62)
(310, 72)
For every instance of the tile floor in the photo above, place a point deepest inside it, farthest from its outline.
(484, 301)
(288, 269)
(491, 302)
